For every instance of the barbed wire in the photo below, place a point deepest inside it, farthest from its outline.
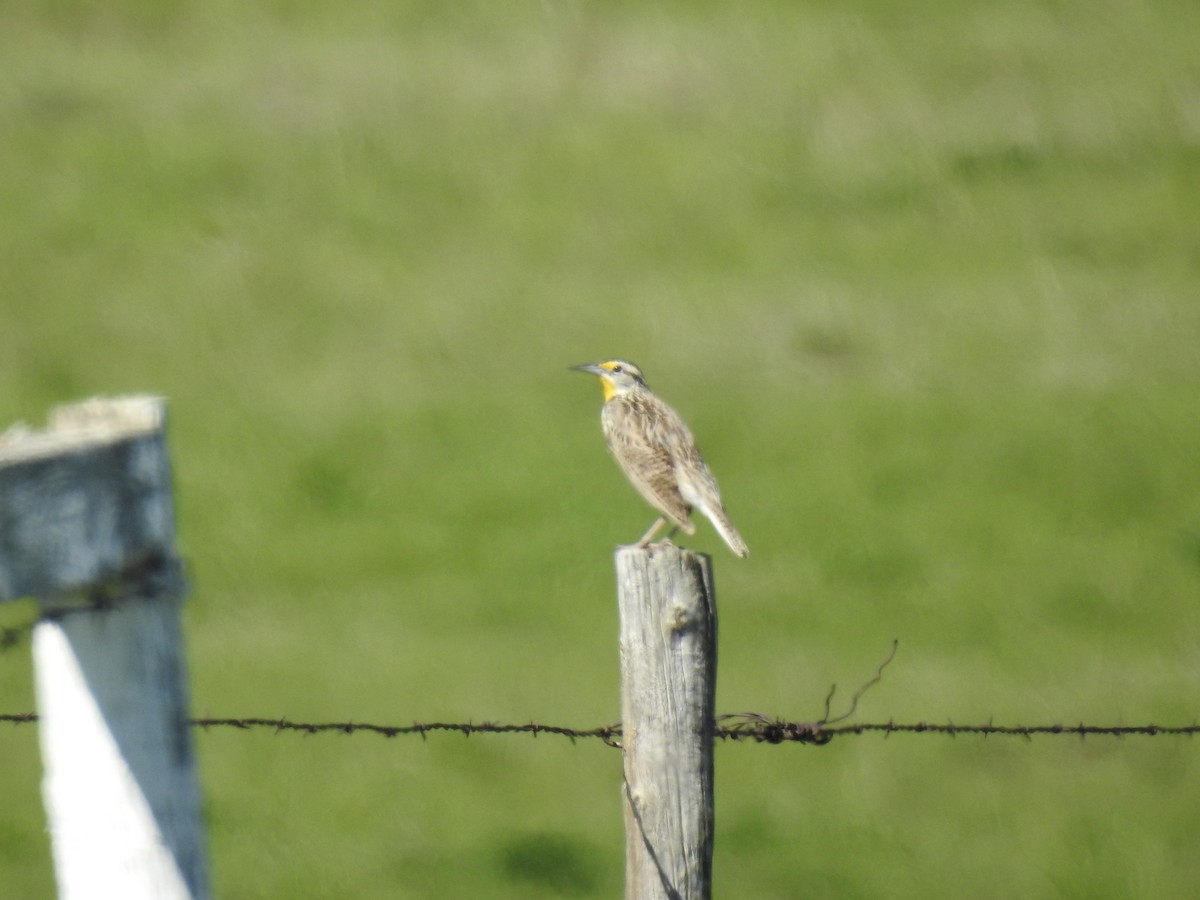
(12, 635)
(744, 726)
(156, 575)
(734, 727)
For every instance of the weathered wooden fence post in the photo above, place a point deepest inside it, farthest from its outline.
(668, 640)
(87, 522)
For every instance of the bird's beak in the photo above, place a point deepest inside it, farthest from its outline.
(590, 368)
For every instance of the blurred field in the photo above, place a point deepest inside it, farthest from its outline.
(923, 277)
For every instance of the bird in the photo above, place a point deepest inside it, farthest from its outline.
(656, 451)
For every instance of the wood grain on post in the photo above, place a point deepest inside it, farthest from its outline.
(86, 514)
(668, 642)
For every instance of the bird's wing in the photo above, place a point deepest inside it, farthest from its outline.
(647, 462)
(697, 485)
(690, 470)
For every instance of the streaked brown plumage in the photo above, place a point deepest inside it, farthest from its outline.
(658, 454)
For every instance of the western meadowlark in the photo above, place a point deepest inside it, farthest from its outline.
(658, 454)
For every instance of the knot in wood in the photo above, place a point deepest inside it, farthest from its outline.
(681, 617)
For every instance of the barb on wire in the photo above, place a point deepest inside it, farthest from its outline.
(19, 718)
(11, 635)
(775, 731)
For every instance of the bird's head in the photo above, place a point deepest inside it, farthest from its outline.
(617, 376)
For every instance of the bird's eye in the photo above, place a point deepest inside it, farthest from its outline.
(617, 370)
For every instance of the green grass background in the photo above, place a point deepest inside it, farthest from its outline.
(924, 277)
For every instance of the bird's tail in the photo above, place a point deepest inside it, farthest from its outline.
(729, 534)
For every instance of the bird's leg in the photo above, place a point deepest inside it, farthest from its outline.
(658, 523)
